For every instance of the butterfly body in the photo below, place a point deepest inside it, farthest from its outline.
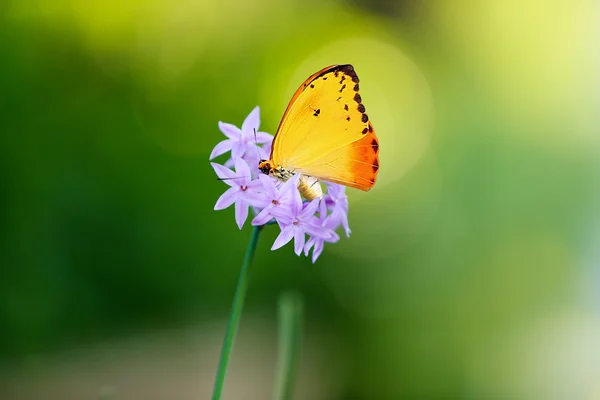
(307, 185)
(325, 134)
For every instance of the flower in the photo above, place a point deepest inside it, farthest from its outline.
(243, 142)
(338, 201)
(243, 191)
(277, 200)
(328, 223)
(298, 221)
(271, 200)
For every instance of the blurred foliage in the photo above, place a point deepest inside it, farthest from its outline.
(480, 226)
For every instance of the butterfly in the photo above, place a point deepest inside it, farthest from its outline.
(326, 134)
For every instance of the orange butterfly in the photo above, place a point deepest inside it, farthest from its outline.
(326, 134)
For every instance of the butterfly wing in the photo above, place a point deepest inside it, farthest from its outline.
(325, 131)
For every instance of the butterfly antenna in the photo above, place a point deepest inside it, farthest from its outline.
(256, 143)
(233, 177)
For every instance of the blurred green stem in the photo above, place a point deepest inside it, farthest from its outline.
(236, 313)
(290, 308)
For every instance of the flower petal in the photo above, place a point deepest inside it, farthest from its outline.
(221, 148)
(291, 185)
(223, 173)
(317, 231)
(268, 186)
(334, 238)
(322, 210)
(345, 225)
(296, 200)
(231, 131)
(282, 218)
(241, 212)
(328, 200)
(256, 186)
(309, 243)
(310, 209)
(252, 158)
(237, 150)
(242, 172)
(228, 198)
(263, 217)
(299, 238)
(287, 233)
(347, 229)
(339, 217)
(255, 198)
(317, 250)
(282, 224)
(337, 193)
(251, 122)
(281, 211)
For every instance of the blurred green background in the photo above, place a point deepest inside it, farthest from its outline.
(473, 268)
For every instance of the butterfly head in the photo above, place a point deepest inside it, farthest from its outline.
(265, 167)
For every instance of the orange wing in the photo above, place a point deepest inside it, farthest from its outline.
(355, 165)
(326, 133)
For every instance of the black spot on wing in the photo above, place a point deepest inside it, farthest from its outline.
(375, 165)
(364, 131)
(357, 98)
(317, 112)
(342, 89)
(361, 108)
(346, 107)
(375, 145)
(365, 118)
(312, 86)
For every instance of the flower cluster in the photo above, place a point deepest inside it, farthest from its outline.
(273, 201)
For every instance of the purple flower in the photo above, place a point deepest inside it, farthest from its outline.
(243, 142)
(329, 225)
(297, 222)
(243, 191)
(277, 200)
(338, 201)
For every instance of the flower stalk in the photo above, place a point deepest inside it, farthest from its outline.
(290, 309)
(236, 313)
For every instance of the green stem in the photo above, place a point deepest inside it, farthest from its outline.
(236, 313)
(290, 342)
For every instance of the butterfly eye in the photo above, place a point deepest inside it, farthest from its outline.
(264, 166)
